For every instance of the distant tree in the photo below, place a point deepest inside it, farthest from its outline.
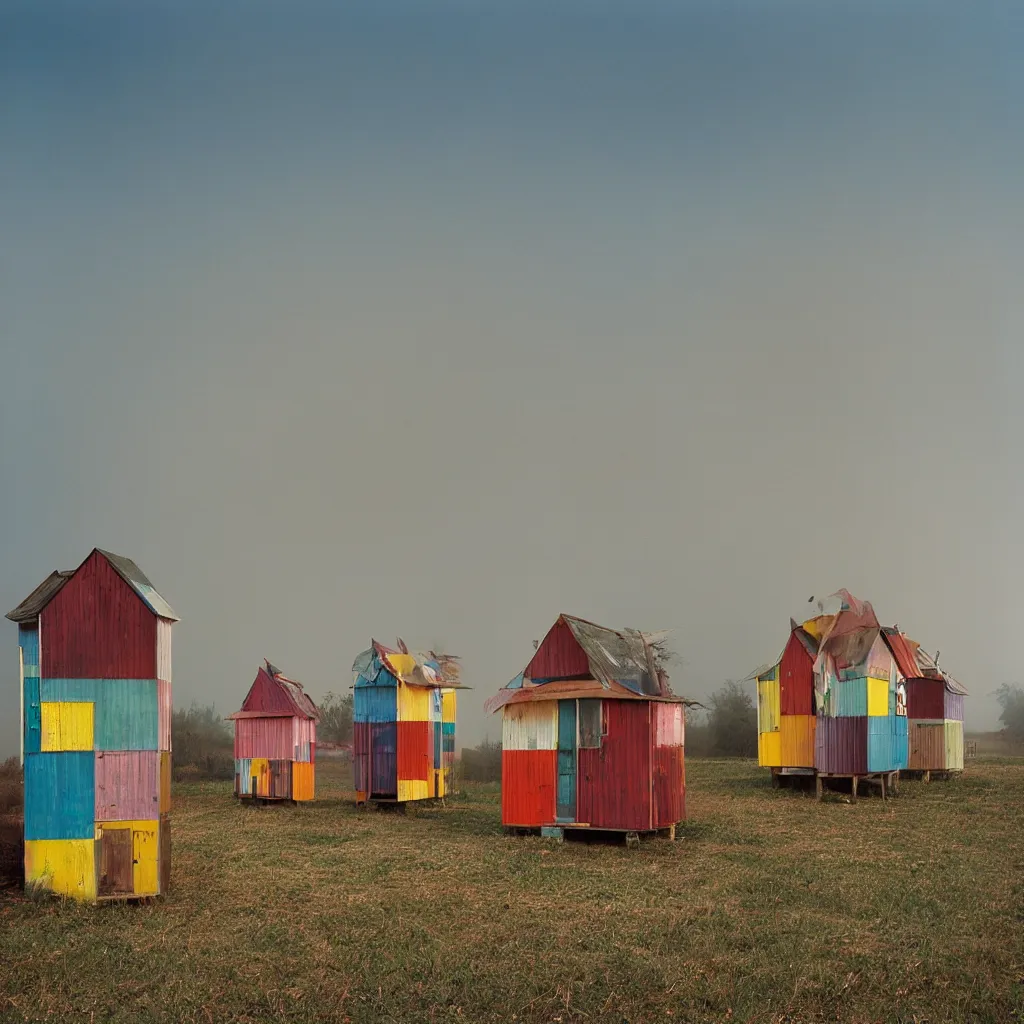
(1011, 700)
(335, 725)
(482, 763)
(731, 729)
(202, 742)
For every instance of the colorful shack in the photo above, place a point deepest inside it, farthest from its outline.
(592, 736)
(935, 709)
(403, 724)
(275, 739)
(96, 731)
(835, 703)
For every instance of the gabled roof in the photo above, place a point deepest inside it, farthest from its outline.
(274, 695)
(139, 582)
(33, 605)
(623, 664)
(29, 609)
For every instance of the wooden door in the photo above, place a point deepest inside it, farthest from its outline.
(116, 874)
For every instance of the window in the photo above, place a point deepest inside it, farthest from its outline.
(590, 723)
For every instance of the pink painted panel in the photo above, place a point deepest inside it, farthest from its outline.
(264, 737)
(163, 649)
(163, 697)
(127, 785)
(303, 739)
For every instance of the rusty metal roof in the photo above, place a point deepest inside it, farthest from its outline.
(618, 656)
(30, 608)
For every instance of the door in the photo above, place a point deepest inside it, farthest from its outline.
(145, 853)
(565, 804)
(116, 874)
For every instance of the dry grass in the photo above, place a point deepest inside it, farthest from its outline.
(769, 908)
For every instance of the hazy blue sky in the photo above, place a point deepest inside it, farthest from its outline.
(439, 319)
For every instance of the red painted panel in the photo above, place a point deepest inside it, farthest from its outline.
(528, 787)
(97, 627)
(903, 654)
(668, 786)
(559, 656)
(415, 751)
(926, 698)
(614, 787)
(796, 679)
(267, 694)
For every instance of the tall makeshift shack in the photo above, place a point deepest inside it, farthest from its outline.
(403, 743)
(275, 739)
(96, 731)
(835, 702)
(592, 736)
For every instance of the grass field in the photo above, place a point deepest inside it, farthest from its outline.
(769, 907)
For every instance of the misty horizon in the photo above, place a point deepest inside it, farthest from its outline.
(357, 324)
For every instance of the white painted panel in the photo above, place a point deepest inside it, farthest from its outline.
(530, 726)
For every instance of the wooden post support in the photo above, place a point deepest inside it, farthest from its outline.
(853, 788)
(927, 776)
(883, 789)
(817, 786)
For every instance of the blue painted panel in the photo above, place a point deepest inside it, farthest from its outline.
(60, 795)
(437, 744)
(375, 704)
(887, 743)
(127, 711)
(849, 698)
(448, 728)
(901, 741)
(565, 809)
(28, 641)
(33, 716)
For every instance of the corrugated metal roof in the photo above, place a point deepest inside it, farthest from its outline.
(432, 670)
(619, 656)
(139, 582)
(30, 608)
(902, 652)
(273, 693)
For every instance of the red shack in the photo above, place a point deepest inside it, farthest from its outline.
(592, 736)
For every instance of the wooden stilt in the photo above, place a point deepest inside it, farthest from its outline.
(853, 788)
(817, 786)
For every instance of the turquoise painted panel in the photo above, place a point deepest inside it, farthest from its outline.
(375, 703)
(888, 743)
(849, 698)
(243, 781)
(60, 795)
(33, 716)
(127, 715)
(448, 728)
(565, 809)
(28, 641)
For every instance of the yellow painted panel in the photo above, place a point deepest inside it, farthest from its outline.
(796, 744)
(448, 705)
(413, 789)
(769, 750)
(403, 664)
(259, 769)
(878, 698)
(165, 782)
(66, 866)
(413, 703)
(145, 850)
(768, 706)
(66, 725)
(954, 746)
(439, 782)
(303, 780)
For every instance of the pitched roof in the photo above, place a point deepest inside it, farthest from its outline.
(30, 608)
(274, 695)
(902, 652)
(139, 582)
(623, 664)
(33, 605)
